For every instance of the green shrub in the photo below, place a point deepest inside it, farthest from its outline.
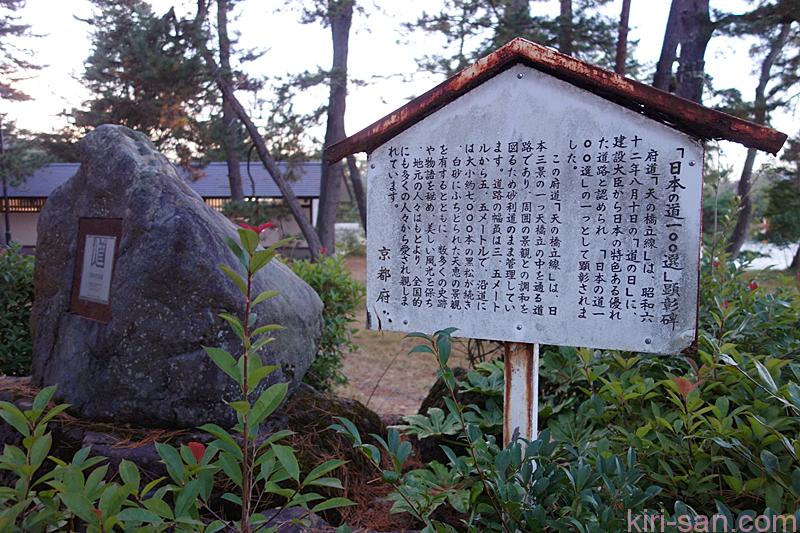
(16, 299)
(255, 213)
(48, 494)
(714, 430)
(341, 295)
(544, 485)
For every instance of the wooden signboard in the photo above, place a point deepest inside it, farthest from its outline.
(98, 249)
(568, 220)
(533, 198)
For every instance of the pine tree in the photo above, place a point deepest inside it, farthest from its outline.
(580, 30)
(15, 63)
(143, 74)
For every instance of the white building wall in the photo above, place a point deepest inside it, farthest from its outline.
(23, 227)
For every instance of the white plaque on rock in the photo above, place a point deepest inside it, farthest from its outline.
(531, 210)
(98, 265)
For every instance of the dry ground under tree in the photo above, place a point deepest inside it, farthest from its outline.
(382, 373)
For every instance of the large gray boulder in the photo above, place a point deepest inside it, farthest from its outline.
(146, 365)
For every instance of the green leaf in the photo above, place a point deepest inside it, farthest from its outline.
(443, 344)
(242, 406)
(266, 329)
(224, 439)
(172, 459)
(136, 514)
(237, 251)
(11, 414)
(255, 376)
(187, 498)
(160, 507)
(324, 468)
(129, 474)
(794, 394)
(267, 402)
(234, 323)
(260, 259)
(52, 413)
(235, 277)
(80, 506)
(333, 503)
(249, 239)
(260, 343)
(766, 377)
(266, 295)
(111, 500)
(421, 348)
(43, 398)
(40, 449)
(231, 467)
(770, 461)
(225, 362)
(286, 457)
(329, 482)
(274, 437)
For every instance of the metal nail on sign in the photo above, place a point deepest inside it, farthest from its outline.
(98, 248)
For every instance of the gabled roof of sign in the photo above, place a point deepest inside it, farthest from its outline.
(210, 181)
(672, 110)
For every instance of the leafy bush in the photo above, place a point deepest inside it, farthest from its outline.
(527, 486)
(783, 205)
(16, 299)
(341, 295)
(715, 430)
(49, 494)
(255, 213)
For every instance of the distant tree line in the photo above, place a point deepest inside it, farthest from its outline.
(182, 81)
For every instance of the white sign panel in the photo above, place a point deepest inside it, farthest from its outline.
(98, 265)
(530, 210)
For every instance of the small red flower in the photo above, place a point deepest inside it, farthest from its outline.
(258, 229)
(198, 450)
(725, 304)
(248, 226)
(752, 285)
(323, 250)
(715, 263)
(266, 225)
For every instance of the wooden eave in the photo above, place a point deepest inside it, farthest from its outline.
(679, 113)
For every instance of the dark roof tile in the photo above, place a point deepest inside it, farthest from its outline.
(213, 183)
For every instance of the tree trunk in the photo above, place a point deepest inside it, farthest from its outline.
(230, 139)
(340, 16)
(358, 191)
(622, 38)
(6, 199)
(261, 148)
(565, 28)
(696, 31)
(759, 117)
(672, 36)
(796, 263)
(739, 234)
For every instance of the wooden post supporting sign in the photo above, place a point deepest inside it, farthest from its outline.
(521, 397)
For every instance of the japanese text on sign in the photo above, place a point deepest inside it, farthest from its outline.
(569, 220)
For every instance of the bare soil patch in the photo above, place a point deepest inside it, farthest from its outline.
(382, 374)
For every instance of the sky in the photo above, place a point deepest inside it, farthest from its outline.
(381, 52)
